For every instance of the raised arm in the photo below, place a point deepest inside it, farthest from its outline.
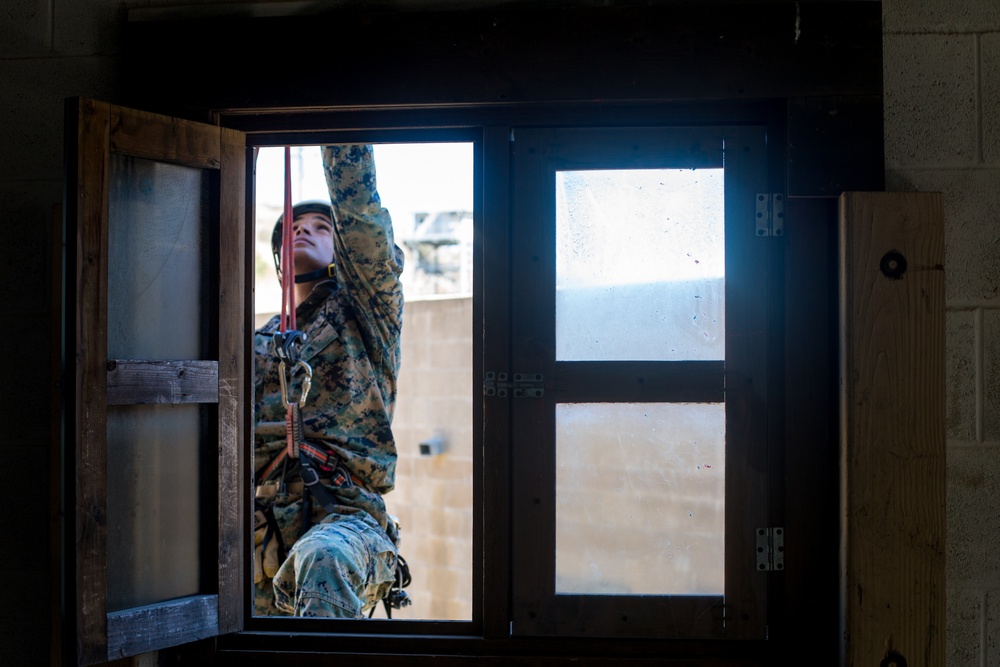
(369, 263)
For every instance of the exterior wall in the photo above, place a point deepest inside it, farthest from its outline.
(433, 494)
(942, 133)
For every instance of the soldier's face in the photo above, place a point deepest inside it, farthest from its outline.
(312, 244)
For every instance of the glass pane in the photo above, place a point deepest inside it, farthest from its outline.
(153, 503)
(157, 252)
(428, 190)
(640, 265)
(640, 498)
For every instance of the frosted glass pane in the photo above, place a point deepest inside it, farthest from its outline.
(640, 498)
(157, 250)
(640, 265)
(153, 503)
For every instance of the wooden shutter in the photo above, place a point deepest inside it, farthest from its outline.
(178, 189)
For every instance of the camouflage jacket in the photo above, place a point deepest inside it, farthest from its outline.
(352, 324)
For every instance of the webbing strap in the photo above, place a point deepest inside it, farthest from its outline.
(266, 511)
(313, 488)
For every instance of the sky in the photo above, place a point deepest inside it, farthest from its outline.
(411, 178)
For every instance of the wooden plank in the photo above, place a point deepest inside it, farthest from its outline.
(235, 410)
(163, 138)
(627, 381)
(312, 646)
(90, 351)
(153, 627)
(133, 382)
(893, 430)
(748, 443)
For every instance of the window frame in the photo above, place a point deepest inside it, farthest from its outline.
(488, 634)
(456, 628)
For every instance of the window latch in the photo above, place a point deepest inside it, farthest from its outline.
(770, 214)
(770, 549)
(524, 385)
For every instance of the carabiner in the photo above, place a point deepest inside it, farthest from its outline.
(306, 382)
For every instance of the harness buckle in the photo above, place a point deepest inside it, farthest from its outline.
(286, 345)
(309, 476)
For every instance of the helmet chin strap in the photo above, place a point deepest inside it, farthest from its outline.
(326, 272)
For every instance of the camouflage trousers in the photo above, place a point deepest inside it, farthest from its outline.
(338, 569)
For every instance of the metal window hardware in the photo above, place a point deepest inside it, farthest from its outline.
(770, 214)
(524, 385)
(770, 549)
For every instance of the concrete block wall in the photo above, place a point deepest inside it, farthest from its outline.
(942, 133)
(49, 50)
(433, 494)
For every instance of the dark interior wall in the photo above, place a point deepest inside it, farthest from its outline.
(811, 72)
(663, 52)
(819, 67)
(819, 62)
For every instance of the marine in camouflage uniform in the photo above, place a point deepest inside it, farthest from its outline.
(344, 564)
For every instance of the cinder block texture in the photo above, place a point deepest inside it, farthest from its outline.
(90, 27)
(33, 522)
(940, 15)
(26, 215)
(989, 82)
(25, 28)
(991, 375)
(973, 542)
(32, 111)
(929, 85)
(992, 639)
(27, 393)
(960, 369)
(25, 625)
(971, 227)
(965, 610)
(433, 494)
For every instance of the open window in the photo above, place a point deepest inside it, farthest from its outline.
(616, 474)
(425, 182)
(156, 313)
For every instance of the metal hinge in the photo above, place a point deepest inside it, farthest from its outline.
(770, 549)
(524, 385)
(770, 214)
